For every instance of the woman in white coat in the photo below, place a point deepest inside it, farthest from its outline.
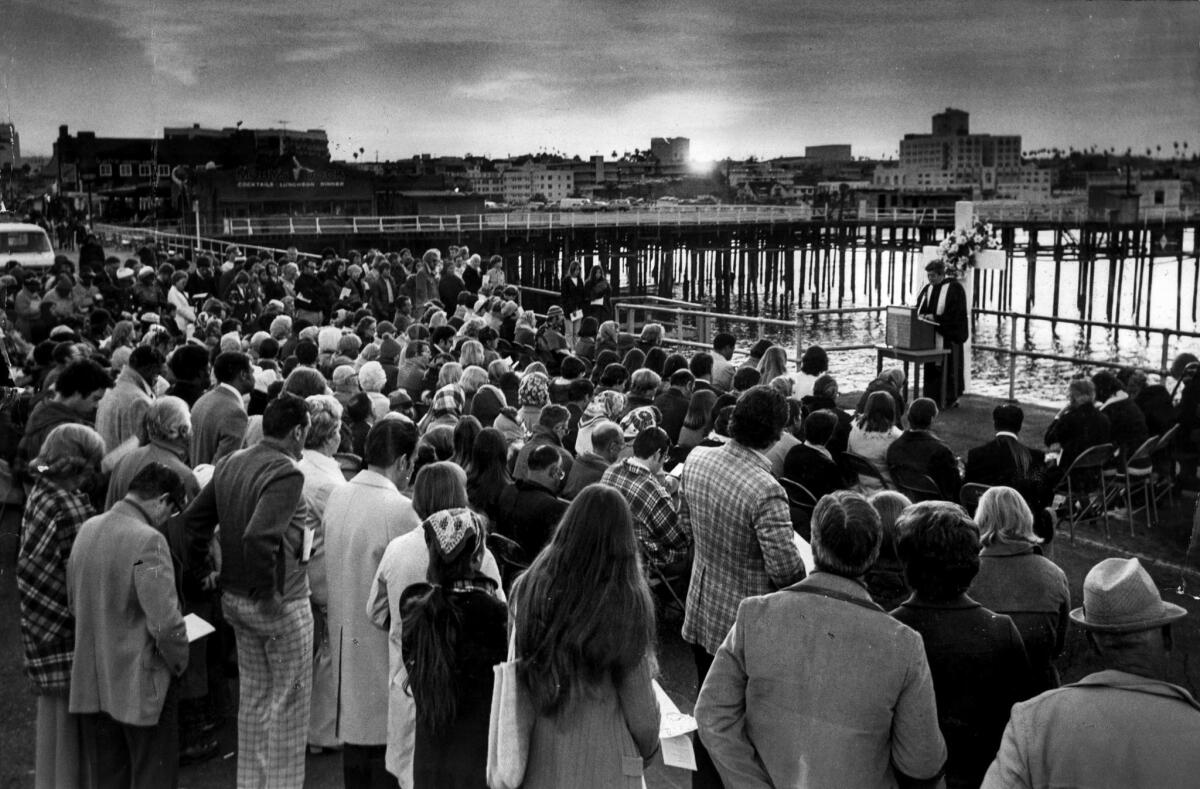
(322, 475)
(439, 486)
(361, 518)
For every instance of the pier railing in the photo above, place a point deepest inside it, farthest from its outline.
(699, 332)
(659, 217)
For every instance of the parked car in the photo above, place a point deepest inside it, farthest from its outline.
(27, 244)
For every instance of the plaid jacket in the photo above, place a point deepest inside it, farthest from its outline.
(52, 519)
(738, 516)
(655, 519)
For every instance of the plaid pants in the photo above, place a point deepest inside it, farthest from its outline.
(275, 662)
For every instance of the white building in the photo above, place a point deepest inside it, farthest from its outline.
(953, 158)
(522, 182)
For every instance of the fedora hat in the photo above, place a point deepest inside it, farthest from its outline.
(1120, 597)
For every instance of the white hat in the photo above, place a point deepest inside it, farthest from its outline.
(1119, 596)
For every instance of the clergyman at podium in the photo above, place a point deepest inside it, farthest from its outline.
(943, 301)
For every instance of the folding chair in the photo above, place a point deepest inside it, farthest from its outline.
(969, 496)
(915, 485)
(859, 467)
(659, 583)
(1138, 471)
(801, 503)
(1081, 484)
(1163, 461)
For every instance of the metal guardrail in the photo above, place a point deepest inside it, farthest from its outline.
(177, 242)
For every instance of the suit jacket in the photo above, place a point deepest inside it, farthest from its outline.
(995, 463)
(218, 426)
(1148, 736)
(925, 453)
(129, 633)
(361, 518)
(813, 470)
(1127, 424)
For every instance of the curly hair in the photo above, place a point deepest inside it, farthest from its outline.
(758, 418)
(68, 450)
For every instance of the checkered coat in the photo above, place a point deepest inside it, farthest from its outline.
(52, 519)
(741, 528)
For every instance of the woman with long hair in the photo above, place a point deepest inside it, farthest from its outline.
(406, 561)
(487, 473)
(465, 431)
(873, 432)
(772, 365)
(453, 633)
(596, 294)
(54, 511)
(813, 364)
(698, 422)
(583, 623)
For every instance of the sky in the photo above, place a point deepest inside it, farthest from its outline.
(502, 77)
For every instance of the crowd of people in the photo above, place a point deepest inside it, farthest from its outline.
(378, 478)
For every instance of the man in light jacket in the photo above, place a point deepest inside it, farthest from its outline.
(815, 685)
(130, 639)
(1122, 726)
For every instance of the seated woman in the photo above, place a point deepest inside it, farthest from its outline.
(977, 659)
(873, 432)
(1015, 579)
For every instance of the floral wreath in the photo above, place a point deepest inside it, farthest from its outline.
(957, 250)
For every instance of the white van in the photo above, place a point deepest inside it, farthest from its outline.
(27, 244)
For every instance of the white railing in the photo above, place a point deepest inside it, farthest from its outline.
(515, 221)
(132, 237)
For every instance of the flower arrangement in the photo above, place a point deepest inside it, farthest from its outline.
(958, 249)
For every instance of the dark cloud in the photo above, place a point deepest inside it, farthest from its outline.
(459, 75)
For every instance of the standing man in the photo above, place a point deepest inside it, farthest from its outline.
(944, 301)
(257, 497)
(130, 640)
(741, 527)
(219, 417)
(816, 685)
(1122, 726)
(361, 518)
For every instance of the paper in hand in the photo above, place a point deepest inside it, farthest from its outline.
(197, 628)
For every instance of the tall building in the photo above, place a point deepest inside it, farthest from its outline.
(10, 145)
(953, 158)
(671, 150)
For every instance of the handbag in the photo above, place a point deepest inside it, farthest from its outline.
(510, 725)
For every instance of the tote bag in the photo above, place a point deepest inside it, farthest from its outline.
(510, 725)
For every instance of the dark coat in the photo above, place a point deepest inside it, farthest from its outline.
(1076, 429)
(449, 286)
(571, 294)
(841, 434)
(673, 405)
(457, 757)
(925, 453)
(528, 513)
(979, 669)
(1006, 461)
(1126, 425)
(813, 470)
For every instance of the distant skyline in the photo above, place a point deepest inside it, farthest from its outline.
(499, 78)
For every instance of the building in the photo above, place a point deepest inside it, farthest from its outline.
(671, 150)
(952, 158)
(10, 146)
(522, 182)
(828, 153)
